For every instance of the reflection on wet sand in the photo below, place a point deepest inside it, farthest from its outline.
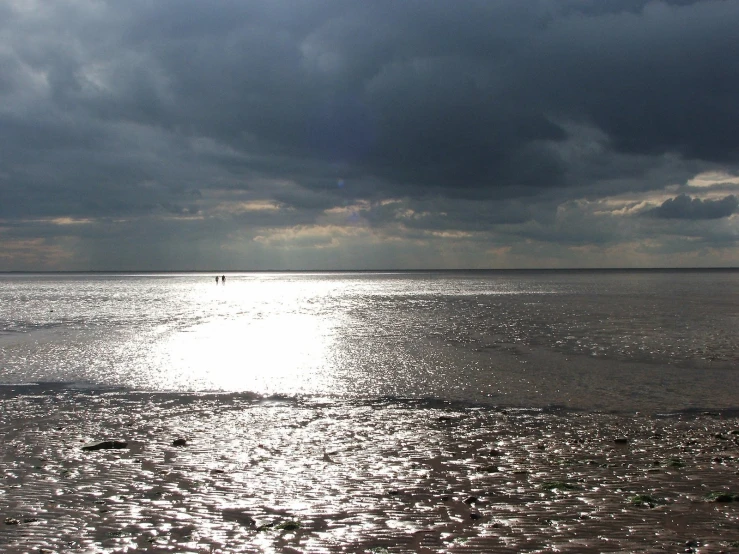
(279, 475)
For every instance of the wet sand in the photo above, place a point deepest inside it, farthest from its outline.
(272, 475)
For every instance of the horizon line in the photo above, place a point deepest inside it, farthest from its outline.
(376, 270)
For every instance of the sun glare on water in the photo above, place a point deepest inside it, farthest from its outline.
(261, 337)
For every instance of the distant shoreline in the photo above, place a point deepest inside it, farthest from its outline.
(377, 271)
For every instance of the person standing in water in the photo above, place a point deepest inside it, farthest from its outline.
(223, 279)
(216, 279)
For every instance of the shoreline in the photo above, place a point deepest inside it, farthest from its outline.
(279, 475)
(8, 390)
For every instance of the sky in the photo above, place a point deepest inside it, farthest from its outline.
(341, 134)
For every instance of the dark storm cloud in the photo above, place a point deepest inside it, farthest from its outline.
(685, 207)
(661, 80)
(457, 99)
(475, 113)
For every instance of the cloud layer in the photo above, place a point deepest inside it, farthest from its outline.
(685, 207)
(182, 134)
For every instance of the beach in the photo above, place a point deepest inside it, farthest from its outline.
(243, 473)
(369, 412)
(369, 277)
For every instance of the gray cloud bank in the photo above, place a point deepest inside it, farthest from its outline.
(685, 207)
(281, 134)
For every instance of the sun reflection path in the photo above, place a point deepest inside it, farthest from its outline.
(264, 337)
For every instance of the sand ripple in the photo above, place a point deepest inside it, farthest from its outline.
(333, 476)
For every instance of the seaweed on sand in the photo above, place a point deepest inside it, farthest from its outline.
(559, 485)
(645, 500)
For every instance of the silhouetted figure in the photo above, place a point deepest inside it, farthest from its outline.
(216, 279)
(223, 279)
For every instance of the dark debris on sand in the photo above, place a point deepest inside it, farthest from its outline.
(348, 477)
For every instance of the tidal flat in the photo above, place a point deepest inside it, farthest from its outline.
(242, 473)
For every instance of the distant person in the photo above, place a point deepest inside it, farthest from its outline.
(223, 279)
(216, 279)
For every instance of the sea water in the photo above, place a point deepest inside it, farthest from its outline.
(589, 340)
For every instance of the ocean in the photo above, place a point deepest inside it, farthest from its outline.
(654, 340)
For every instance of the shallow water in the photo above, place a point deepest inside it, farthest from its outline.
(365, 412)
(653, 341)
(287, 475)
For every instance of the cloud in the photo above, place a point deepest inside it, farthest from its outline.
(503, 119)
(685, 207)
(715, 179)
